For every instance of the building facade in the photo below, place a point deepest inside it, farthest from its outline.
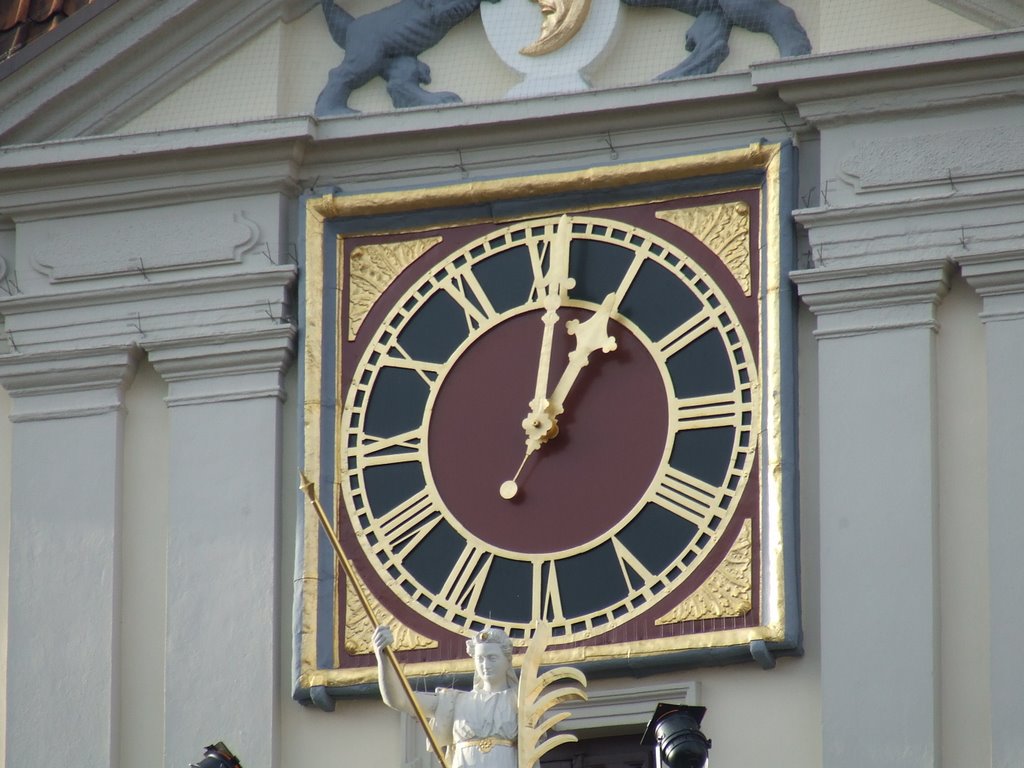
(156, 166)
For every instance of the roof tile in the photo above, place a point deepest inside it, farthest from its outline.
(22, 21)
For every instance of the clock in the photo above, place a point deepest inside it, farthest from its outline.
(556, 419)
(558, 398)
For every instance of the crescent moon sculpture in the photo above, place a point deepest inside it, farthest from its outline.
(562, 20)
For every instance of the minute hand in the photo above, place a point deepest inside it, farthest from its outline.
(591, 336)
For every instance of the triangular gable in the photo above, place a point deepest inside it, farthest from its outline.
(116, 58)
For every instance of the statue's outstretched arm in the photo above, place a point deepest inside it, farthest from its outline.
(390, 686)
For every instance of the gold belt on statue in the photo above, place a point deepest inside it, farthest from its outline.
(487, 744)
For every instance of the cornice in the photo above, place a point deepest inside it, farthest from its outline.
(226, 367)
(40, 384)
(999, 279)
(150, 312)
(157, 47)
(852, 301)
(90, 175)
(995, 13)
(837, 88)
(146, 291)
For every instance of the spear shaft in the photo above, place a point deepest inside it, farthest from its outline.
(309, 489)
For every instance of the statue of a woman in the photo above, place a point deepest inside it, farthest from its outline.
(478, 727)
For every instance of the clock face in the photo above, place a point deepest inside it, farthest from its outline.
(656, 438)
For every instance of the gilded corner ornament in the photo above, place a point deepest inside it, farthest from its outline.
(726, 593)
(372, 268)
(359, 629)
(725, 229)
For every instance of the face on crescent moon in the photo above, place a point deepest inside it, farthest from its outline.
(562, 19)
(554, 12)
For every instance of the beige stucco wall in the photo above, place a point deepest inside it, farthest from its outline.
(281, 71)
(755, 717)
(5, 548)
(143, 582)
(963, 531)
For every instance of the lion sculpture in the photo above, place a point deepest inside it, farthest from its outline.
(387, 43)
(708, 37)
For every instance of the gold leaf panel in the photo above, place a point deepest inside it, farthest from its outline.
(372, 268)
(726, 593)
(359, 628)
(725, 229)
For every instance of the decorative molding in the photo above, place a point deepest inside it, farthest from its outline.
(225, 367)
(996, 14)
(725, 229)
(950, 158)
(69, 384)
(856, 301)
(235, 242)
(852, 86)
(999, 280)
(153, 313)
(359, 629)
(372, 268)
(726, 593)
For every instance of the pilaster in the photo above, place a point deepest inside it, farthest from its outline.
(999, 280)
(221, 671)
(878, 510)
(63, 626)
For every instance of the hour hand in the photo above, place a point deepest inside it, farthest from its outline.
(591, 336)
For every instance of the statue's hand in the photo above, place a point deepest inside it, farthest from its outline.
(382, 638)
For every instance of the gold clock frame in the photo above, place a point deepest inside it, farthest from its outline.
(776, 545)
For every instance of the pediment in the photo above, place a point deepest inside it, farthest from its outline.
(997, 14)
(126, 55)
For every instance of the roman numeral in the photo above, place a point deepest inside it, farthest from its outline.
(627, 279)
(709, 411)
(467, 579)
(547, 599)
(633, 571)
(687, 333)
(405, 526)
(397, 357)
(375, 451)
(469, 294)
(539, 250)
(686, 496)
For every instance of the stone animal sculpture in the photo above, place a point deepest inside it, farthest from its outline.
(386, 42)
(708, 38)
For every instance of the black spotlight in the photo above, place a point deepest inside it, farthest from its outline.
(217, 756)
(675, 733)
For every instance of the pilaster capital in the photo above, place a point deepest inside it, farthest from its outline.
(999, 279)
(225, 367)
(852, 301)
(67, 384)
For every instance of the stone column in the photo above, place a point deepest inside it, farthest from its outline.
(999, 280)
(221, 665)
(63, 627)
(878, 508)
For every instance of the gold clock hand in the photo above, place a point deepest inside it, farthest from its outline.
(556, 286)
(591, 336)
(541, 424)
